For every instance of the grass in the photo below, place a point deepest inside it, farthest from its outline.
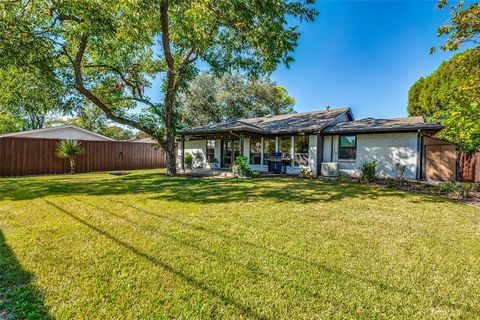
(147, 246)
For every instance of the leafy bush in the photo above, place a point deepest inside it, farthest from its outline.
(188, 160)
(369, 170)
(399, 170)
(241, 167)
(70, 149)
(343, 179)
(306, 173)
(255, 174)
(457, 189)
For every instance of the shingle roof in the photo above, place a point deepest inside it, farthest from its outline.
(382, 125)
(287, 123)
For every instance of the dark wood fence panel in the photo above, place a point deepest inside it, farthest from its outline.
(470, 167)
(28, 156)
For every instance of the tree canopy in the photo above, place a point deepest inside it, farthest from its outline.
(451, 95)
(212, 99)
(110, 50)
(463, 27)
(30, 98)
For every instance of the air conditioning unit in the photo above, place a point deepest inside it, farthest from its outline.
(329, 169)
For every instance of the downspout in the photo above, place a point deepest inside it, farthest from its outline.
(183, 153)
(419, 155)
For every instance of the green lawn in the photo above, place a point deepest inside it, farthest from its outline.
(148, 246)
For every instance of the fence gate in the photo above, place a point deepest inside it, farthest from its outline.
(441, 162)
(470, 167)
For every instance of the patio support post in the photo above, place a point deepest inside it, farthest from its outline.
(183, 153)
(241, 145)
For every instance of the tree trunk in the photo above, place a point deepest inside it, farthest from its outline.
(171, 154)
(72, 165)
(169, 137)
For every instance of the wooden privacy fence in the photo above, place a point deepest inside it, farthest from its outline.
(28, 156)
(470, 167)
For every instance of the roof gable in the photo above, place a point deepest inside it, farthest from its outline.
(59, 132)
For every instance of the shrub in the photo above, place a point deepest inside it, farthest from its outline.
(343, 179)
(369, 170)
(241, 166)
(70, 149)
(457, 189)
(306, 173)
(399, 170)
(188, 160)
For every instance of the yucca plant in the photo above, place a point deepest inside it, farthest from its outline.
(70, 149)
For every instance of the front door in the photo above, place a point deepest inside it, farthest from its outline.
(230, 151)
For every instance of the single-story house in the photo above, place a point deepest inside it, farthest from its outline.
(328, 142)
(69, 132)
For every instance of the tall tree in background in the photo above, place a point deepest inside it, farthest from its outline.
(30, 97)
(464, 26)
(212, 99)
(107, 51)
(451, 95)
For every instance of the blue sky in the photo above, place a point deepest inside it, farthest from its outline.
(365, 55)
(361, 54)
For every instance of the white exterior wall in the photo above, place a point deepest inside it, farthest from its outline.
(198, 147)
(386, 148)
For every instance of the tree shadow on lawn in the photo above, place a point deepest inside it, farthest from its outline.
(18, 298)
(197, 190)
(245, 309)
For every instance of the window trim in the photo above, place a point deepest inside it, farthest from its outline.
(339, 146)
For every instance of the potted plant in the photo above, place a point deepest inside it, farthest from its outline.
(215, 163)
(188, 160)
(241, 168)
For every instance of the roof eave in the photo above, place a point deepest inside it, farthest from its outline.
(392, 130)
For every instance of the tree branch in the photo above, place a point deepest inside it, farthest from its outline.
(136, 90)
(79, 85)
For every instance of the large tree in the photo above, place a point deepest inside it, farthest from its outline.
(463, 27)
(109, 50)
(451, 95)
(31, 97)
(212, 99)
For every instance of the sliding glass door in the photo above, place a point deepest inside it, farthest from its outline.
(230, 151)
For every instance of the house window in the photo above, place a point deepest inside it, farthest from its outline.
(301, 151)
(347, 149)
(286, 147)
(210, 150)
(268, 148)
(255, 150)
